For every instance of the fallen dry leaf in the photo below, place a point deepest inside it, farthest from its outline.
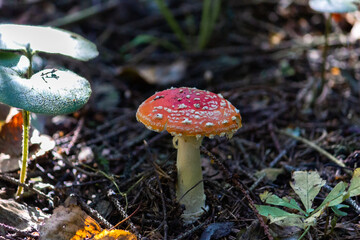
(74, 224)
(11, 136)
(166, 74)
(19, 215)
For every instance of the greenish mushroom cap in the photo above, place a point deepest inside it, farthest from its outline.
(334, 6)
(14, 37)
(50, 91)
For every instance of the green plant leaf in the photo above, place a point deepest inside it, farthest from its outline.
(336, 196)
(334, 6)
(49, 91)
(307, 185)
(15, 37)
(275, 200)
(354, 188)
(312, 220)
(280, 217)
(337, 211)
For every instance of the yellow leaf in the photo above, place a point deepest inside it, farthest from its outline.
(115, 234)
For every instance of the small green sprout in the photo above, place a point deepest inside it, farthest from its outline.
(210, 14)
(307, 186)
(49, 91)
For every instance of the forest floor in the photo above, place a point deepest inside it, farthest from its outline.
(264, 56)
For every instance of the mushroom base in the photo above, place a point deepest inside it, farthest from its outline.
(190, 187)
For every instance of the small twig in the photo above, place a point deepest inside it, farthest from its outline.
(75, 136)
(93, 213)
(17, 231)
(90, 174)
(259, 125)
(188, 233)
(25, 186)
(125, 219)
(113, 133)
(166, 227)
(111, 194)
(317, 148)
(274, 137)
(252, 205)
(271, 165)
(238, 185)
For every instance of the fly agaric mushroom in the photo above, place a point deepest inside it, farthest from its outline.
(189, 114)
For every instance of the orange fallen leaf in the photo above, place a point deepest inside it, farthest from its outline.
(115, 234)
(335, 71)
(74, 224)
(88, 229)
(337, 17)
(11, 136)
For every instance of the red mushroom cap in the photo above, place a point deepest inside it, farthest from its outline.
(189, 112)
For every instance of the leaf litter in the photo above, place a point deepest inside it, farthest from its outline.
(271, 96)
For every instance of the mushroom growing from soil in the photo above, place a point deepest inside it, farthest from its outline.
(189, 114)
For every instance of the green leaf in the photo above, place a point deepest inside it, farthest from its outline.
(49, 91)
(337, 211)
(334, 6)
(312, 220)
(307, 185)
(280, 217)
(336, 196)
(275, 200)
(15, 37)
(354, 188)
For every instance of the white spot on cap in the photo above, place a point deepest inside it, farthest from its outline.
(197, 105)
(205, 108)
(182, 106)
(159, 116)
(197, 99)
(223, 104)
(225, 122)
(196, 116)
(220, 95)
(233, 118)
(188, 96)
(186, 121)
(209, 124)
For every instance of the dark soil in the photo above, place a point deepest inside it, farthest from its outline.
(264, 57)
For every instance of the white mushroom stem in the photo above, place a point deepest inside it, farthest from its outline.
(190, 187)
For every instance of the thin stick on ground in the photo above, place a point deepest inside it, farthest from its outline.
(94, 214)
(25, 186)
(315, 147)
(231, 178)
(161, 192)
(111, 194)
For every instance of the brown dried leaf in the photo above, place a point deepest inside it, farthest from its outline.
(11, 136)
